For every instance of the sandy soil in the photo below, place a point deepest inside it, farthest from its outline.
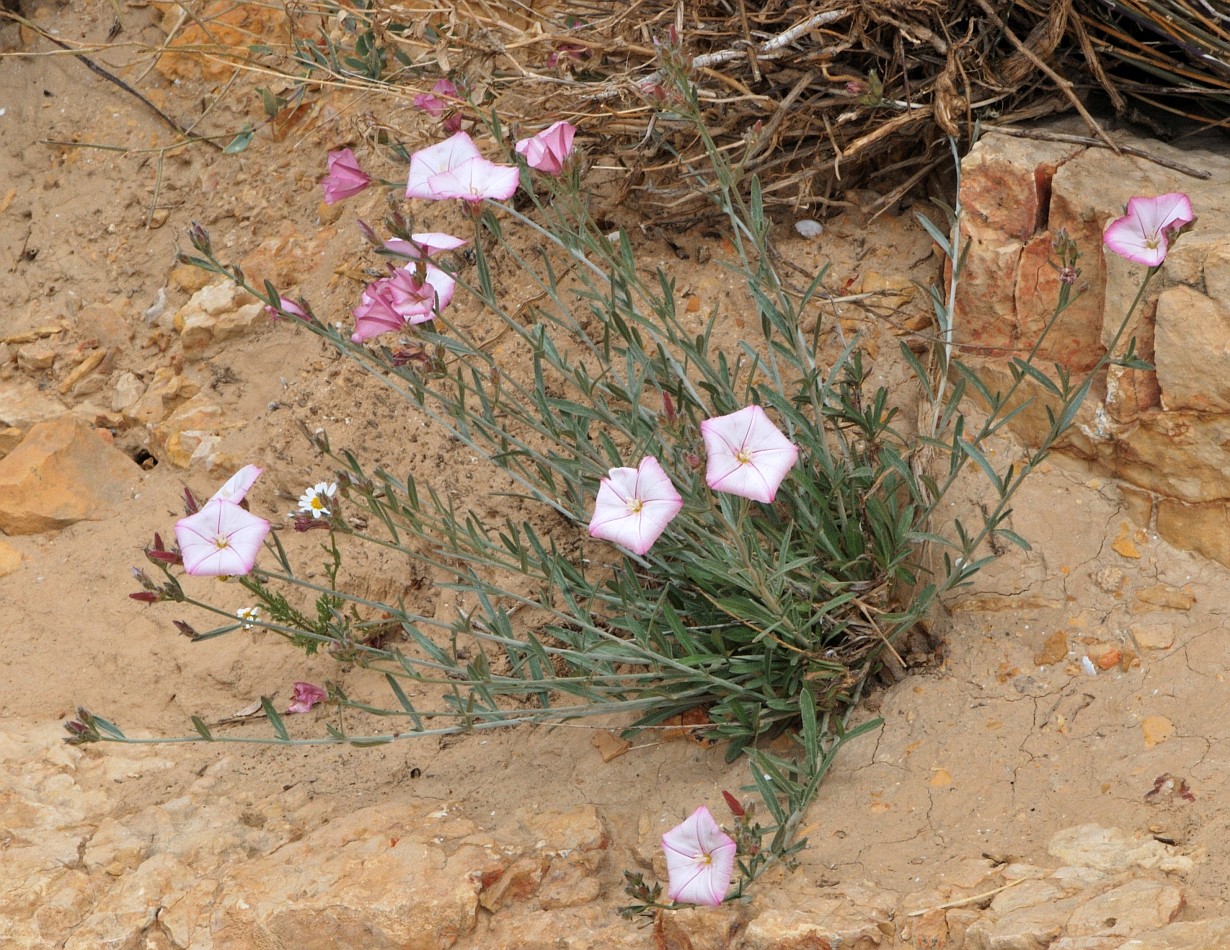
(987, 751)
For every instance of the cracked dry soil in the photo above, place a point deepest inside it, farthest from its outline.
(1071, 679)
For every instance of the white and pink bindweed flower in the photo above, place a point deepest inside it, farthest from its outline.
(408, 296)
(455, 168)
(306, 696)
(549, 149)
(1143, 234)
(236, 487)
(345, 177)
(634, 506)
(424, 246)
(220, 540)
(748, 455)
(700, 860)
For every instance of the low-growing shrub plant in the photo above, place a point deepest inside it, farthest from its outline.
(740, 535)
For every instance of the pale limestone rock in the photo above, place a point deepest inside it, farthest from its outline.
(126, 391)
(1027, 928)
(23, 404)
(1131, 908)
(348, 883)
(61, 473)
(1192, 346)
(789, 911)
(34, 357)
(1212, 934)
(1110, 849)
(701, 928)
(214, 313)
(1203, 528)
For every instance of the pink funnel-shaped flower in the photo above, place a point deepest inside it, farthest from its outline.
(220, 540)
(549, 149)
(635, 505)
(426, 163)
(401, 299)
(422, 246)
(700, 859)
(345, 177)
(1143, 234)
(476, 180)
(238, 484)
(306, 696)
(454, 168)
(748, 455)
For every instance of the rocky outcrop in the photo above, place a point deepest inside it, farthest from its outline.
(215, 867)
(60, 473)
(1165, 433)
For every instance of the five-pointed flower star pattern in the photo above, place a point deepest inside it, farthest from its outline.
(455, 168)
(345, 177)
(220, 540)
(549, 149)
(316, 500)
(748, 455)
(635, 505)
(306, 696)
(402, 298)
(1143, 234)
(700, 860)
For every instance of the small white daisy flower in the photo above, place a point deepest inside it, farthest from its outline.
(315, 501)
(248, 616)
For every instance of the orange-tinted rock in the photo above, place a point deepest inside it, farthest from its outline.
(61, 473)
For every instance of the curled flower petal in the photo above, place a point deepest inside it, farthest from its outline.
(700, 860)
(306, 696)
(420, 247)
(237, 485)
(748, 455)
(549, 149)
(220, 540)
(345, 177)
(634, 506)
(1143, 234)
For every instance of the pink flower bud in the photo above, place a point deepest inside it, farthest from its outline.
(345, 177)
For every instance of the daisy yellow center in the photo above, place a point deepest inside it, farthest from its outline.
(317, 503)
(635, 505)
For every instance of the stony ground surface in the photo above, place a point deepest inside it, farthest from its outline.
(1053, 779)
